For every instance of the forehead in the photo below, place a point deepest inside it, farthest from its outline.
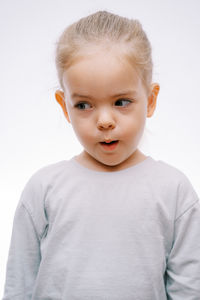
(101, 72)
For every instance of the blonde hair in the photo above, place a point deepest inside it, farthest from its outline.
(106, 28)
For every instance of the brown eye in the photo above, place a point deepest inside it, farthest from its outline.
(122, 102)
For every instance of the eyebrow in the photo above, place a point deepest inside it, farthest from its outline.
(75, 95)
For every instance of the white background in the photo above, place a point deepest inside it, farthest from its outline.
(33, 130)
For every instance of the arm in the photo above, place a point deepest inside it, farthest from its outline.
(183, 266)
(24, 257)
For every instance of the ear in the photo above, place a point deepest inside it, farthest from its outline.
(60, 98)
(152, 99)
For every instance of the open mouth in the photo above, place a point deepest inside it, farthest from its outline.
(109, 146)
(110, 143)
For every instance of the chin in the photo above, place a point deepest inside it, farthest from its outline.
(111, 162)
(107, 161)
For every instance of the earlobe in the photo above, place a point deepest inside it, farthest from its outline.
(152, 99)
(60, 98)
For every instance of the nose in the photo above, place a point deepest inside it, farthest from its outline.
(105, 121)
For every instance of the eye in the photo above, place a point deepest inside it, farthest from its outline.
(122, 102)
(82, 105)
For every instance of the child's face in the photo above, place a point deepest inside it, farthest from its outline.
(105, 100)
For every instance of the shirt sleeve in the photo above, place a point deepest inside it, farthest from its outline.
(29, 226)
(183, 265)
(23, 258)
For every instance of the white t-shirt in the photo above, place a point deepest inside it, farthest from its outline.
(80, 234)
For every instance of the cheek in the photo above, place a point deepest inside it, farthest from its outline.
(135, 122)
(82, 128)
(136, 119)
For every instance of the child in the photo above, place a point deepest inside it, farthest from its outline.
(111, 222)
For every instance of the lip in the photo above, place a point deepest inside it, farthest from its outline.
(109, 147)
(108, 140)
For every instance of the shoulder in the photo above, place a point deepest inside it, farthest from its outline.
(41, 181)
(174, 184)
(47, 174)
(171, 175)
(33, 197)
(167, 172)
